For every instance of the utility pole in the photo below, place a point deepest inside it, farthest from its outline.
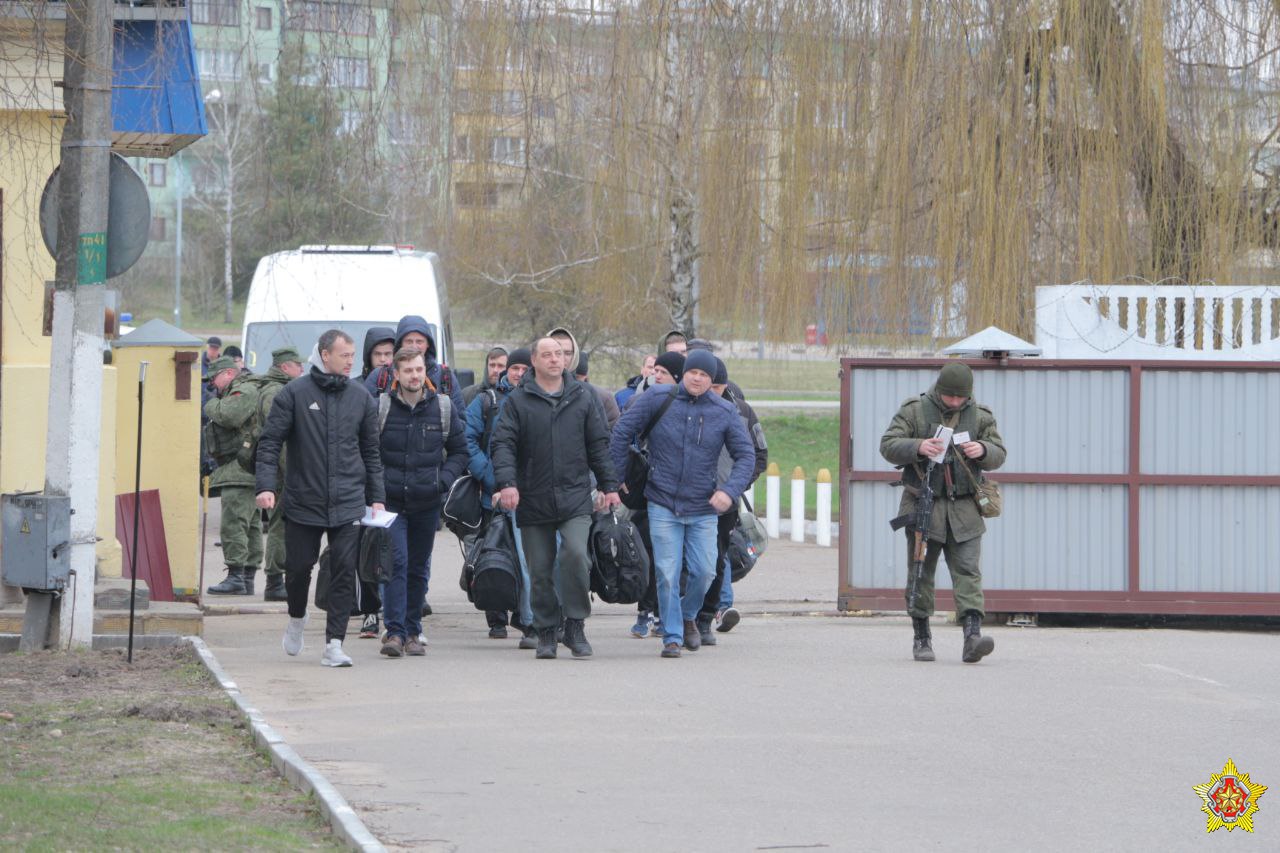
(75, 371)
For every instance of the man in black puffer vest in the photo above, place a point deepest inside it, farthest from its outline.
(424, 449)
(331, 427)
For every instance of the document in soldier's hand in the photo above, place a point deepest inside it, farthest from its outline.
(944, 435)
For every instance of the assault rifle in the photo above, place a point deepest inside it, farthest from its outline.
(918, 521)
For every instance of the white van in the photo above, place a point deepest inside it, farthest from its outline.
(298, 295)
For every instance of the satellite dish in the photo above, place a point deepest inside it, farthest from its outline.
(128, 216)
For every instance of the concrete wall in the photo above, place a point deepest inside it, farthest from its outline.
(170, 449)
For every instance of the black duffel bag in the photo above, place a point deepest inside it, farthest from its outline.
(636, 477)
(462, 512)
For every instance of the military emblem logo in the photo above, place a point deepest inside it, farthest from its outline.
(1230, 799)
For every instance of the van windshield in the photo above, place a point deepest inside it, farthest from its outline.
(263, 338)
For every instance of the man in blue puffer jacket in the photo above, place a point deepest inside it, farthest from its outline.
(482, 415)
(420, 464)
(413, 332)
(683, 493)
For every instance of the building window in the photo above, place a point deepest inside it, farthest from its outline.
(462, 147)
(156, 174)
(510, 103)
(476, 194)
(218, 13)
(507, 149)
(346, 18)
(264, 17)
(395, 75)
(544, 108)
(405, 128)
(350, 121)
(350, 72)
(218, 64)
(157, 228)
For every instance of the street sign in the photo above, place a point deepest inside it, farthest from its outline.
(128, 224)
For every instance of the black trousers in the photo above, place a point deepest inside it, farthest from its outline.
(724, 527)
(301, 550)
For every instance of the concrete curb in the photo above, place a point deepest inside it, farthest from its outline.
(344, 820)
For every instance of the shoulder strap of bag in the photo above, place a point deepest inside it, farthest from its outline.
(446, 415)
(657, 416)
(384, 409)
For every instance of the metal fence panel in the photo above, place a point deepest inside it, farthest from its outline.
(1210, 422)
(1210, 539)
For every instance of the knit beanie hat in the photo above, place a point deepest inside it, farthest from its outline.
(955, 380)
(700, 359)
(520, 356)
(721, 376)
(673, 363)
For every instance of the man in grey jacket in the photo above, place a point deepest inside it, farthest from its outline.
(331, 427)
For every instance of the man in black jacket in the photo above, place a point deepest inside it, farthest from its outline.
(331, 427)
(424, 449)
(550, 438)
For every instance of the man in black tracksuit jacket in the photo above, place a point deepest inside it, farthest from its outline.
(331, 427)
(549, 439)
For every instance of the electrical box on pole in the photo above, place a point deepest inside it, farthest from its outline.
(35, 552)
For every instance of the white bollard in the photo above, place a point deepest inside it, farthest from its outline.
(824, 507)
(797, 505)
(772, 500)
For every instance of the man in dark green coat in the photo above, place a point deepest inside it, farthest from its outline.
(286, 364)
(956, 527)
(232, 414)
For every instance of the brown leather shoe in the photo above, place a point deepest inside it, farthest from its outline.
(413, 648)
(393, 647)
(671, 650)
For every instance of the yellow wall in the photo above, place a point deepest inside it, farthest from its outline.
(170, 449)
(28, 154)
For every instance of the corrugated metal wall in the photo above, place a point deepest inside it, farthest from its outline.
(1064, 541)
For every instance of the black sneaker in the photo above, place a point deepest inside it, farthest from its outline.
(498, 632)
(369, 627)
(729, 617)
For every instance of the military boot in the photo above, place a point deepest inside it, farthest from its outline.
(233, 584)
(275, 590)
(976, 646)
(922, 647)
(247, 576)
(575, 638)
(546, 644)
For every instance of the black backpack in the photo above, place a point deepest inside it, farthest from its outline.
(619, 561)
(492, 567)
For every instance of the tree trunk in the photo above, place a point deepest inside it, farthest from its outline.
(227, 243)
(683, 285)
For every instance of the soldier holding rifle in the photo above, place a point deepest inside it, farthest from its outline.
(939, 510)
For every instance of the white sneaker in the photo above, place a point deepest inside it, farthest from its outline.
(422, 638)
(334, 655)
(292, 640)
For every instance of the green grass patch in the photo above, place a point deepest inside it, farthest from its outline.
(807, 441)
(102, 755)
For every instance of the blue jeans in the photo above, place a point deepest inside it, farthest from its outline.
(413, 535)
(688, 540)
(726, 590)
(526, 600)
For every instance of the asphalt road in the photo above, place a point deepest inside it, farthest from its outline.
(796, 732)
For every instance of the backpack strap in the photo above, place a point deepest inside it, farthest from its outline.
(446, 415)
(384, 409)
(384, 379)
(446, 380)
(657, 416)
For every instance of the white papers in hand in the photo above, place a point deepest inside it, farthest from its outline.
(943, 433)
(382, 519)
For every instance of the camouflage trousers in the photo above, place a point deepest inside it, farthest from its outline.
(241, 529)
(963, 561)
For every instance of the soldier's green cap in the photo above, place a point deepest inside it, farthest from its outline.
(284, 354)
(955, 380)
(221, 363)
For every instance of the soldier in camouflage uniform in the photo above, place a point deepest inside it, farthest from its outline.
(956, 527)
(286, 364)
(233, 421)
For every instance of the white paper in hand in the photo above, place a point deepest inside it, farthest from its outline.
(943, 433)
(382, 519)
(960, 438)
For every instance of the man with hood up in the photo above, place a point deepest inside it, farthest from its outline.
(572, 355)
(495, 365)
(379, 348)
(413, 332)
